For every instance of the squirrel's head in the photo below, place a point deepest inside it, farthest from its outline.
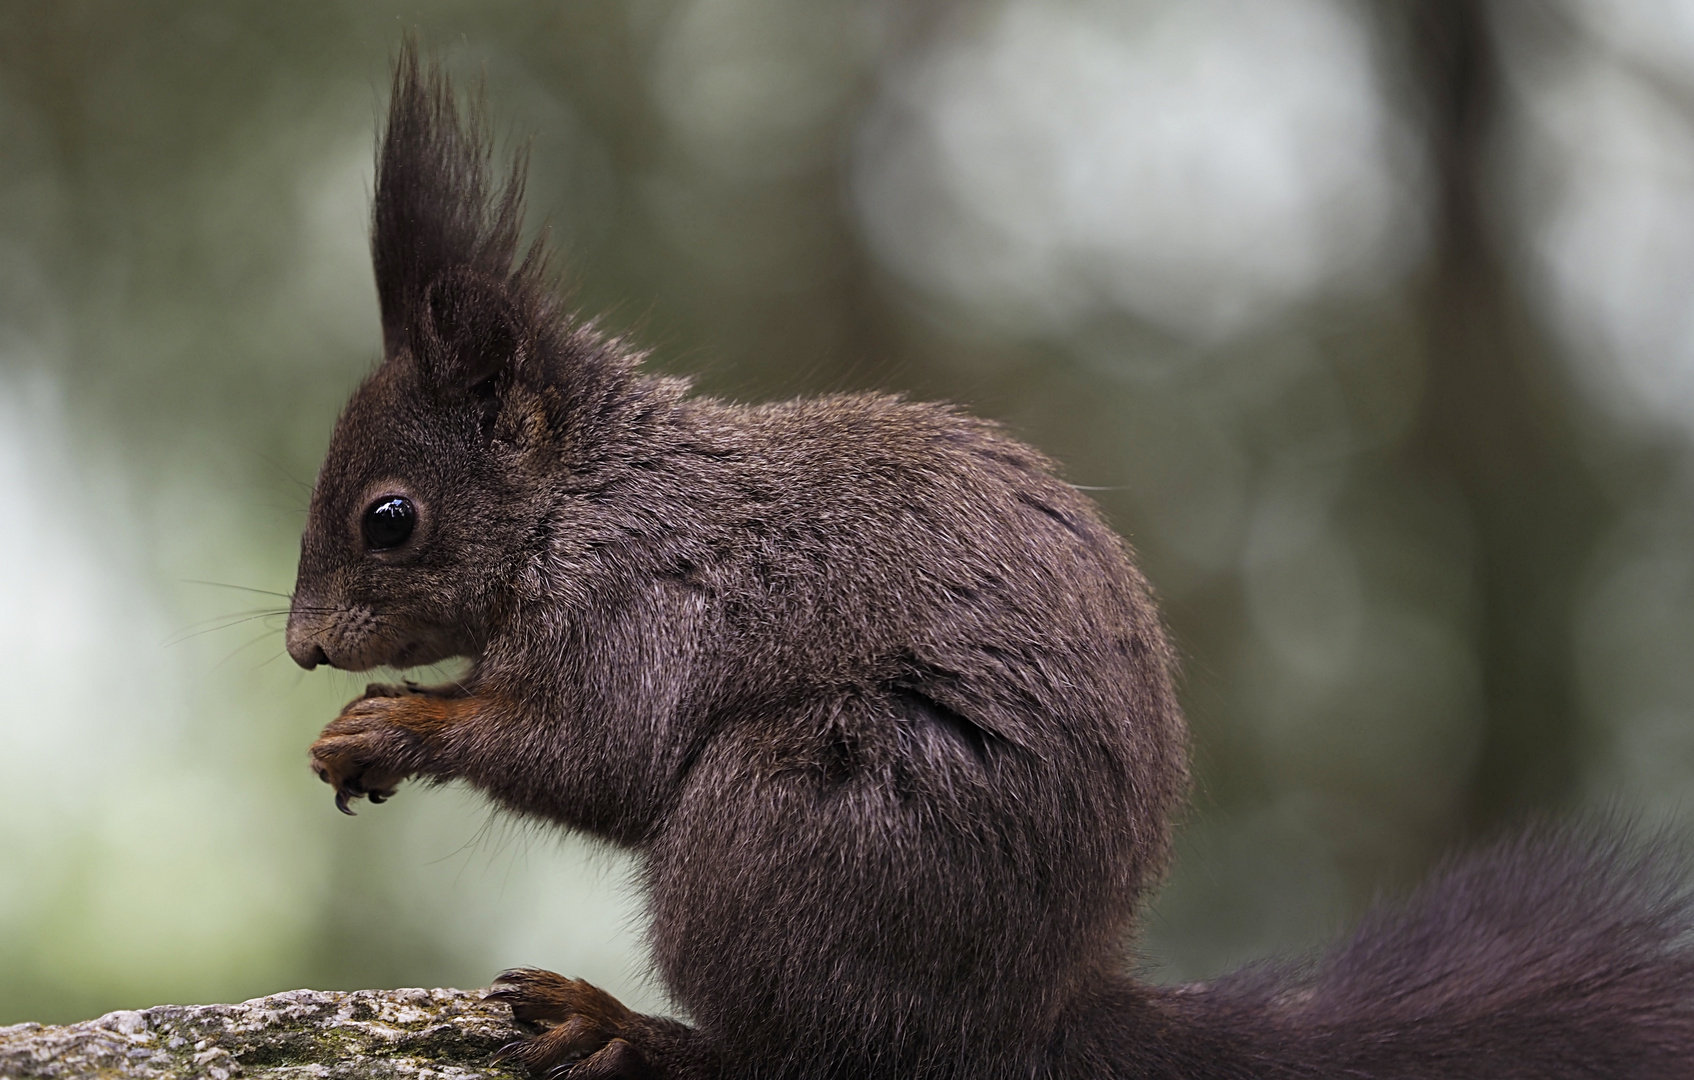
(431, 498)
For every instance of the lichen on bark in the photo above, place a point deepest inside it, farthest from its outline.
(438, 1034)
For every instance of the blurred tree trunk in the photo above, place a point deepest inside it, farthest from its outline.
(1496, 426)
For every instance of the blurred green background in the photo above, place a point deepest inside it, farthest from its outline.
(1370, 322)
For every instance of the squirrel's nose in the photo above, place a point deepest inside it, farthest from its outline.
(303, 642)
(309, 657)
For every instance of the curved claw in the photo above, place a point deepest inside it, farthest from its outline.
(341, 798)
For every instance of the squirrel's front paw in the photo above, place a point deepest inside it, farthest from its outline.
(590, 1033)
(358, 752)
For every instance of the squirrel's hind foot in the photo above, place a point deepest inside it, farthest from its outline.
(586, 1040)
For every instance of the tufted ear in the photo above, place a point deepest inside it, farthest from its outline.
(479, 319)
(437, 214)
(468, 334)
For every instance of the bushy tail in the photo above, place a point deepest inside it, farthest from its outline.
(1564, 953)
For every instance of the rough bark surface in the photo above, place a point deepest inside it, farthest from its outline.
(440, 1034)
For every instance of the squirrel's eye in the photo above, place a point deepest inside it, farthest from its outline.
(389, 521)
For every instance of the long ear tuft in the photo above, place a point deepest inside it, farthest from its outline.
(436, 209)
(476, 320)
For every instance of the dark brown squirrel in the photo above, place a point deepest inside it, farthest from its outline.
(881, 704)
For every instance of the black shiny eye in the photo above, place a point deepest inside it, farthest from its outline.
(389, 521)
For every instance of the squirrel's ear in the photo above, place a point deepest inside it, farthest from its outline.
(437, 208)
(469, 339)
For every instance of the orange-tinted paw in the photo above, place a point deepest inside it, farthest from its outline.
(359, 751)
(586, 1039)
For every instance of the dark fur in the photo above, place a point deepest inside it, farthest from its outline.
(882, 704)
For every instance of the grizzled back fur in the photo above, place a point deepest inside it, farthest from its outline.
(881, 703)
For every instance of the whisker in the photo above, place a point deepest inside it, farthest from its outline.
(236, 615)
(266, 636)
(272, 658)
(241, 588)
(223, 623)
(288, 475)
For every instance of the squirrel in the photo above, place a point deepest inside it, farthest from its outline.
(883, 706)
